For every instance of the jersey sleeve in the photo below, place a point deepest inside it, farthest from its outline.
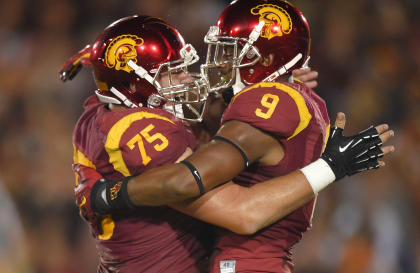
(277, 108)
(143, 139)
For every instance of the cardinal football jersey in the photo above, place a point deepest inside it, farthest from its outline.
(125, 143)
(298, 119)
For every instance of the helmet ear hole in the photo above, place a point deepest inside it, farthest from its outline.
(267, 60)
(126, 85)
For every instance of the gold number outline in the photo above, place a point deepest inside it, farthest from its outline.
(270, 105)
(149, 138)
(112, 144)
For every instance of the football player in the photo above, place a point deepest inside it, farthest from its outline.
(270, 129)
(133, 123)
(253, 48)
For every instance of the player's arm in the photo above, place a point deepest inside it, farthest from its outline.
(246, 210)
(213, 164)
(362, 154)
(237, 145)
(216, 163)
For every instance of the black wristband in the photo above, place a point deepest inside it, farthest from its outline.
(97, 203)
(196, 175)
(117, 194)
(110, 196)
(246, 161)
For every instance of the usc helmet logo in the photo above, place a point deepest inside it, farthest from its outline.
(277, 20)
(121, 50)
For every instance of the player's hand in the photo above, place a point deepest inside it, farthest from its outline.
(347, 155)
(307, 76)
(87, 179)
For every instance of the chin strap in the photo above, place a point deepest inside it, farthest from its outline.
(106, 99)
(283, 69)
(292, 79)
(238, 85)
(142, 73)
(306, 63)
(253, 36)
(123, 98)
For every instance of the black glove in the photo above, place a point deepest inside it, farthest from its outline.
(352, 154)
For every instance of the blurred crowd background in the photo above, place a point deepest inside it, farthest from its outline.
(368, 56)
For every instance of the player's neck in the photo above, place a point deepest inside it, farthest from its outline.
(115, 107)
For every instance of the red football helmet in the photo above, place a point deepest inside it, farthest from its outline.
(255, 41)
(129, 57)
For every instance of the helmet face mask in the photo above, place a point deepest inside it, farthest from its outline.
(179, 91)
(255, 31)
(182, 94)
(175, 89)
(132, 57)
(225, 55)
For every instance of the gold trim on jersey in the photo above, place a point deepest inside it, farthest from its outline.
(108, 226)
(304, 114)
(112, 144)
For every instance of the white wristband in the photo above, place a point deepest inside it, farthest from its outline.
(318, 174)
